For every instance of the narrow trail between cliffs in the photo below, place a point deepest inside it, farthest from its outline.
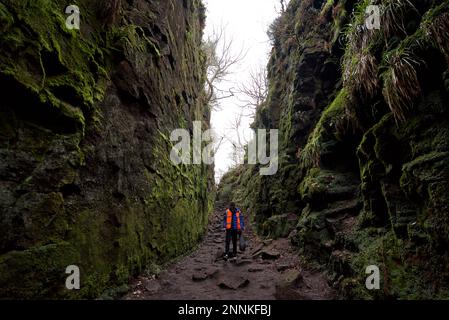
(266, 270)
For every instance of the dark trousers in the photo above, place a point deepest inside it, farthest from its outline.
(231, 234)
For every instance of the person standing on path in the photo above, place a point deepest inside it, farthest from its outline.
(233, 224)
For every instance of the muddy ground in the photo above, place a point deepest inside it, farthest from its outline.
(266, 270)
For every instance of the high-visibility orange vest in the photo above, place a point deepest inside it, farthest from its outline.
(229, 219)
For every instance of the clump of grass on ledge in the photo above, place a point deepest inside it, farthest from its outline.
(360, 73)
(360, 67)
(435, 25)
(401, 83)
(394, 13)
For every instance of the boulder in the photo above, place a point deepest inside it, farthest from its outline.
(270, 254)
(233, 282)
(286, 288)
(206, 274)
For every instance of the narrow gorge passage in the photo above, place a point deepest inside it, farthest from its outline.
(267, 270)
(126, 127)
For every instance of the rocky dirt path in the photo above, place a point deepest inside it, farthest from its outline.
(266, 270)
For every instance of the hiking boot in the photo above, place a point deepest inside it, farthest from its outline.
(226, 256)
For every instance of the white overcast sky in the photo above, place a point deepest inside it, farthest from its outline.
(246, 21)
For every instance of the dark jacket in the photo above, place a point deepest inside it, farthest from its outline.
(234, 219)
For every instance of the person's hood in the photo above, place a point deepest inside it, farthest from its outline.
(235, 210)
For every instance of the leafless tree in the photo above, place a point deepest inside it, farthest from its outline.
(251, 95)
(283, 6)
(254, 92)
(238, 145)
(237, 139)
(220, 61)
(218, 141)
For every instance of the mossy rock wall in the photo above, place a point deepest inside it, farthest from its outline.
(363, 156)
(85, 120)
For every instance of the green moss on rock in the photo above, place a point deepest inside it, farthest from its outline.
(90, 179)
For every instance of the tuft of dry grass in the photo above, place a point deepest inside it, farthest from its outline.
(309, 157)
(437, 30)
(348, 121)
(401, 83)
(360, 67)
(361, 74)
(394, 13)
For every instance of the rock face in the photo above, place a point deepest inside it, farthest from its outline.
(364, 146)
(85, 120)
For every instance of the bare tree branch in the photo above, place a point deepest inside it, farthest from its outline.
(251, 95)
(283, 4)
(238, 141)
(220, 61)
(254, 92)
